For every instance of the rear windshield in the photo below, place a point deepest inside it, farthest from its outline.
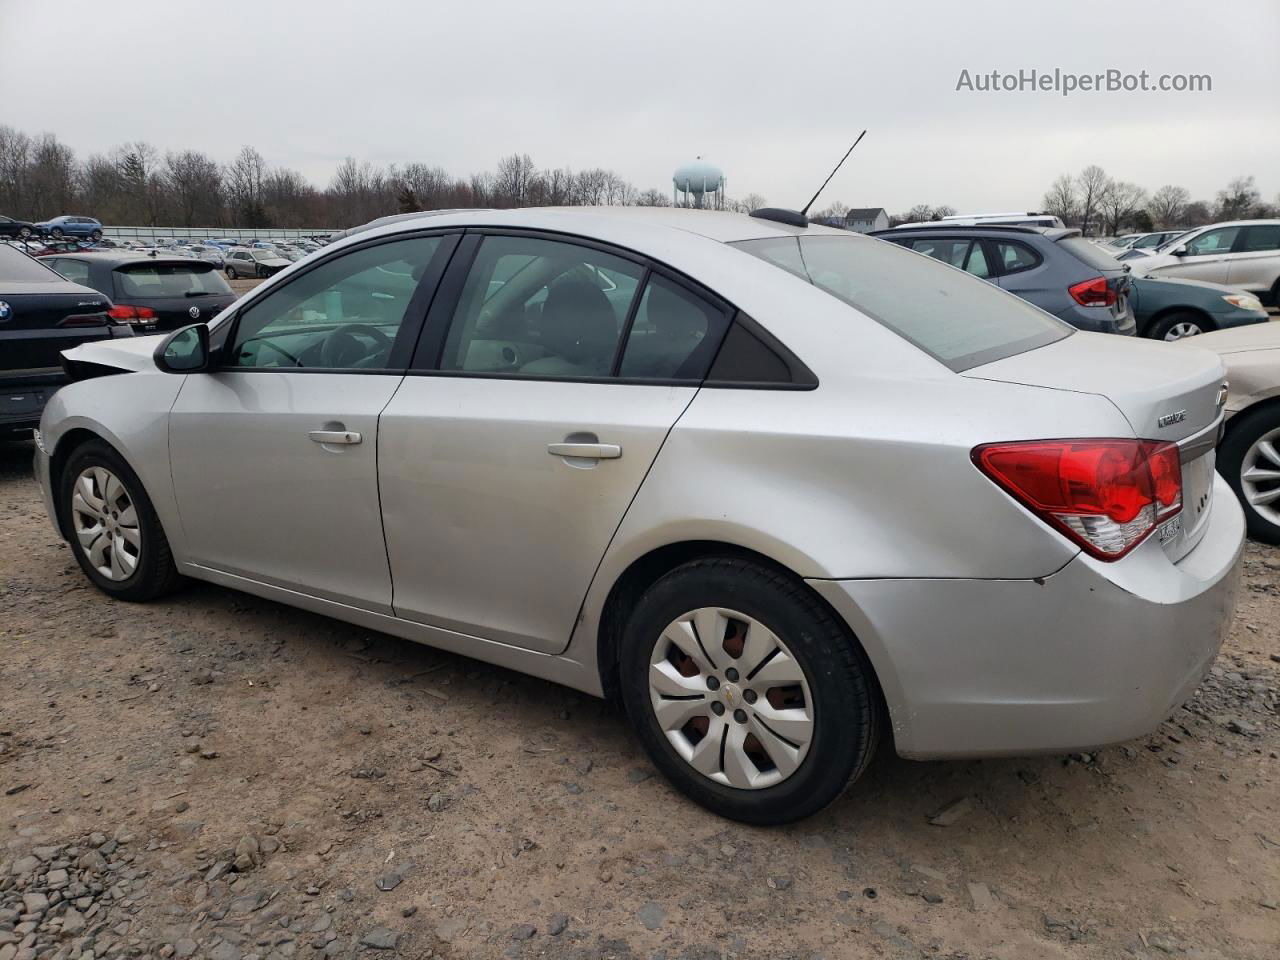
(169, 280)
(17, 267)
(954, 317)
(1090, 253)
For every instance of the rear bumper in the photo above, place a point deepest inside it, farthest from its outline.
(1096, 653)
(1100, 320)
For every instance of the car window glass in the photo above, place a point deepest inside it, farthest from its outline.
(170, 280)
(674, 336)
(77, 271)
(1014, 256)
(540, 308)
(1262, 238)
(977, 261)
(343, 314)
(948, 251)
(1214, 241)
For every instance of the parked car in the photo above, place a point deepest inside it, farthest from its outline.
(68, 226)
(1122, 242)
(209, 254)
(10, 227)
(1242, 253)
(782, 489)
(51, 248)
(1150, 241)
(1053, 267)
(246, 262)
(151, 293)
(41, 314)
(1249, 452)
(1171, 309)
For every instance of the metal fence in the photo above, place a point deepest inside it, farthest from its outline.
(209, 233)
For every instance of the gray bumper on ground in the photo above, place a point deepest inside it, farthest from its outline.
(1096, 653)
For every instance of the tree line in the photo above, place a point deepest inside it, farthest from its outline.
(136, 184)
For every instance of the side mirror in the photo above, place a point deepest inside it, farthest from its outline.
(185, 350)
(1179, 251)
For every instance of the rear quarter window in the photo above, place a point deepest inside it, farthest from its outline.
(954, 317)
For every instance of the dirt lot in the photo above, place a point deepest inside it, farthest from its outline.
(267, 783)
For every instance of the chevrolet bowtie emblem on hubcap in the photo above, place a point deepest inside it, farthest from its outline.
(731, 693)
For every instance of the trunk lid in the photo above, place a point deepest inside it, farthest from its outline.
(40, 320)
(1165, 392)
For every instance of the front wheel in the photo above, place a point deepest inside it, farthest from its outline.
(115, 533)
(1249, 458)
(746, 692)
(231, 274)
(1178, 326)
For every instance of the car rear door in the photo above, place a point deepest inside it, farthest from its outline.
(1254, 262)
(512, 450)
(274, 452)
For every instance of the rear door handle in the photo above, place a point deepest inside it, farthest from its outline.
(335, 436)
(585, 451)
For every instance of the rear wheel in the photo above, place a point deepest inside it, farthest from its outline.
(57, 233)
(96, 235)
(1249, 458)
(1178, 326)
(115, 533)
(24, 233)
(746, 692)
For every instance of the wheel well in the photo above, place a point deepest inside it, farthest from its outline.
(1205, 318)
(1271, 403)
(67, 445)
(648, 569)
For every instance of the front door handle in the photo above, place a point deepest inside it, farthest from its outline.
(585, 451)
(335, 436)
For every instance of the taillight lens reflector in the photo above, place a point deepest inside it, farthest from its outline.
(131, 314)
(1093, 293)
(1106, 495)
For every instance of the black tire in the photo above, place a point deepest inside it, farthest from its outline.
(155, 574)
(1243, 432)
(96, 235)
(25, 233)
(231, 274)
(1161, 328)
(56, 233)
(1275, 294)
(846, 699)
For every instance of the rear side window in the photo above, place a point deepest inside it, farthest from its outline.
(1257, 239)
(1089, 253)
(169, 280)
(959, 320)
(674, 335)
(1015, 257)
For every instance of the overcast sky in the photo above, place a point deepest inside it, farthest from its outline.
(772, 91)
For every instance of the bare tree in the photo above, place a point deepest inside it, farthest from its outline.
(1093, 184)
(1239, 200)
(1062, 200)
(1120, 203)
(1167, 206)
(195, 185)
(513, 180)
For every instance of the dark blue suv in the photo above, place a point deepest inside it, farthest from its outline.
(1053, 267)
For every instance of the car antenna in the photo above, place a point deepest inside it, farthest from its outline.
(805, 211)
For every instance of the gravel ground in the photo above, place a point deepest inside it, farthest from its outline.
(220, 776)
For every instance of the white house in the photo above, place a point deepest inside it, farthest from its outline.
(866, 219)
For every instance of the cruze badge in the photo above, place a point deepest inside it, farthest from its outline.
(194, 312)
(1169, 419)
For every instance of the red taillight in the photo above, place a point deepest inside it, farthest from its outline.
(130, 314)
(1093, 293)
(1106, 495)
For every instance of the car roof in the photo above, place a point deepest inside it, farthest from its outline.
(1052, 233)
(718, 225)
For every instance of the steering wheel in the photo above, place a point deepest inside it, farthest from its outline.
(337, 347)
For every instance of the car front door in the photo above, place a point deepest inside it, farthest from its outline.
(1207, 257)
(1255, 261)
(512, 450)
(274, 452)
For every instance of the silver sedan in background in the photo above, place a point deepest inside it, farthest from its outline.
(786, 491)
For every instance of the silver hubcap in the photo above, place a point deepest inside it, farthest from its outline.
(1260, 476)
(731, 698)
(106, 523)
(1184, 329)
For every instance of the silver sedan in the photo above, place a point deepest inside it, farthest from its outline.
(787, 492)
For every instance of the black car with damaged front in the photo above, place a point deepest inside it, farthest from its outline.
(41, 314)
(151, 293)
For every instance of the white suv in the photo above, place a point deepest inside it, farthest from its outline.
(1241, 253)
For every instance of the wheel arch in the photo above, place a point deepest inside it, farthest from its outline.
(1205, 317)
(648, 568)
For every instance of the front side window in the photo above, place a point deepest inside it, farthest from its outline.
(541, 308)
(958, 320)
(344, 314)
(1213, 242)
